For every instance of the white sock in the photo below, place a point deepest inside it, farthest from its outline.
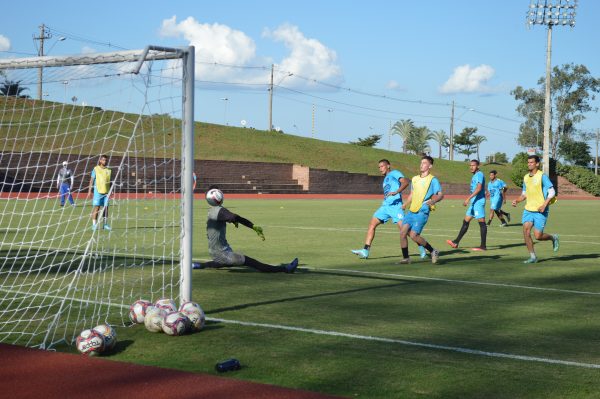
(532, 255)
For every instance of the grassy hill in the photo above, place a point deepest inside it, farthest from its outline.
(57, 127)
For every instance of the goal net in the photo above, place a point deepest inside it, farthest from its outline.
(60, 273)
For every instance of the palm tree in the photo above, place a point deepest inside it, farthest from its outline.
(12, 88)
(403, 128)
(477, 140)
(442, 139)
(417, 141)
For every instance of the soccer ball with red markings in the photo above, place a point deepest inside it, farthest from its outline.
(137, 311)
(196, 318)
(154, 319)
(175, 323)
(110, 335)
(166, 304)
(214, 197)
(90, 343)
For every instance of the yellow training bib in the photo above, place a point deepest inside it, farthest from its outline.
(102, 179)
(420, 186)
(533, 191)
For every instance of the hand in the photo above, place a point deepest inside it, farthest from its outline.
(390, 194)
(259, 231)
(403, 206)
(514, 203)
(236, 224)
(542, 208)
(466, 202)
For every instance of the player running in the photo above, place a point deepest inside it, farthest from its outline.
(496, 189)
(100, 183)
(426, 192)
(475, 204)
(539, 193)
(218, 247)
(394, 183)
(64, 182)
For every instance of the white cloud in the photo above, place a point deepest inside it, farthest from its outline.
(218, 43)
(308, 57)
(465, 79)
(88, 50)
(4, 43)
(393, 85)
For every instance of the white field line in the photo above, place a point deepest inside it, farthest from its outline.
(457, 349)
(449, 280)
(517, 236)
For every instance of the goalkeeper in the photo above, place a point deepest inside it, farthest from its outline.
(221, 252)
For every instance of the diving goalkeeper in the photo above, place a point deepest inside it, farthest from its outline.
(219, 249)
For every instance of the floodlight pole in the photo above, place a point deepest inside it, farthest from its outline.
(271, 100)
(451, 148)
(547, 105)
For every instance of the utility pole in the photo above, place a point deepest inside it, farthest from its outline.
(271, 100)
(451, 149)
(547, 106)
(44, 34)
(597, 141)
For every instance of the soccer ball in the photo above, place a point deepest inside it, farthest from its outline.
(110, 335)
(137, 311)
(189, 306)
(154, 318)
(167, 304)
(196, 318)
(175, 323)
(214, 197)
(90, 342)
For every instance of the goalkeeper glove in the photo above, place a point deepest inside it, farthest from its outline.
(259, 231)
(235, 224)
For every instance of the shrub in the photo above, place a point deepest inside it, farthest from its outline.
(581, 177)
(519, 169)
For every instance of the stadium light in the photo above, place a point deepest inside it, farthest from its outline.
(550, 13)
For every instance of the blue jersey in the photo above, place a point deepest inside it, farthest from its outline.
(391, 183)
(478, 178)
(434, 188)
(496, 189)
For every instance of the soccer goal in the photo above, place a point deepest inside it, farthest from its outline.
(60, 273)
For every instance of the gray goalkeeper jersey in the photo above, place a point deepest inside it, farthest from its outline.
(64, 175)
(216, 231)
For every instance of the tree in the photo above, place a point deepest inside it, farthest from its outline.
(477, 140)
(575, 152)
(442, 139)
(498, 157)
(417, 141)
(12, 88)
(572, 89)
(370, 141)
(519, 168)
(465, 141)
(403, 128)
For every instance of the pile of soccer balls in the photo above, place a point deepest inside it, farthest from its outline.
(97, 340)
(163, 316)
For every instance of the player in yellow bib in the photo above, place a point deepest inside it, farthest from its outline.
(100, 183)
(426, 191)
(539, 193)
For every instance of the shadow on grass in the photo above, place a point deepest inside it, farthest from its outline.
(302, 297)
(567, 258)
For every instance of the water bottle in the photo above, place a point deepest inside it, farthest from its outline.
(228, 365)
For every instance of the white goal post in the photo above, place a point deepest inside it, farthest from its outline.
(61, 269)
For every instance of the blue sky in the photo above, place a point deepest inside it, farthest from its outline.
(411, 58)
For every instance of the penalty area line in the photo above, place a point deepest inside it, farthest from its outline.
(411, 343)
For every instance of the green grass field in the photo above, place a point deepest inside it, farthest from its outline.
(475, 325)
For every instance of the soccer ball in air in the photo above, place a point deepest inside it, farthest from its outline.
(154, 318)
(90, 342)
(175, 323)
(214, 197)
(167, 304)
(137, 310)
(110, 335)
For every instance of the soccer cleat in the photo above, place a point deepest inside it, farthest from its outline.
(404, 261)
(504, 225)
(531, 260)
(555, 242)
(362, 253)
(291, 267)
(507, 216)
(476, 249)
(197, 265)
(435, 255)
(452, 243)
(422, 252)
(106, 227)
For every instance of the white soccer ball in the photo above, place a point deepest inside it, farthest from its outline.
(196, 318)
(154, 318)
(137, 311)
(214, 197)
(189, 306)
(175, 323)
(167, 304)
(90, 342)
(110, 335)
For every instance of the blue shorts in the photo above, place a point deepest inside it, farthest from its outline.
(387, 212)
(476, 209)
(416, 221)
(538, 219)
(100, 200)
(496, 204)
